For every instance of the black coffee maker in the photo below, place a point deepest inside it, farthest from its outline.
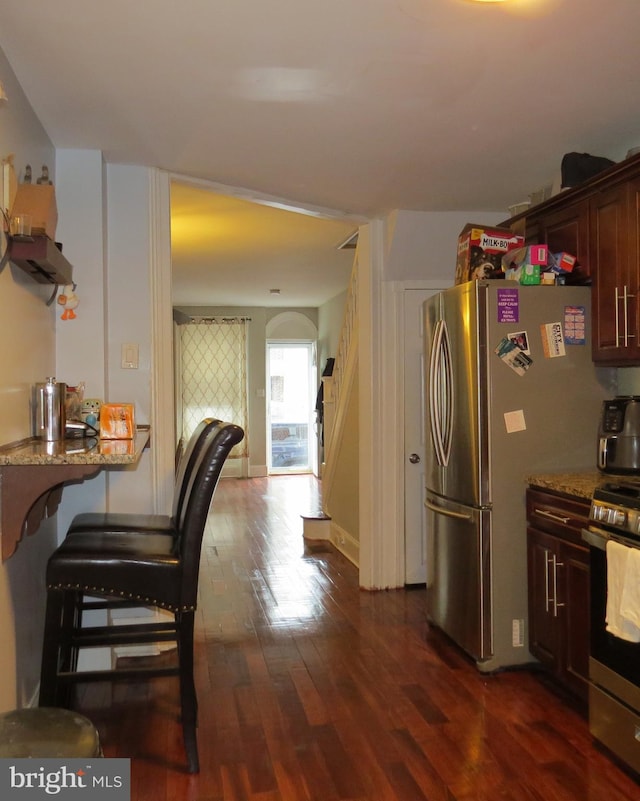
(619, 435)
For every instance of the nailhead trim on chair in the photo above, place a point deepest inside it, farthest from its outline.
(118, 593)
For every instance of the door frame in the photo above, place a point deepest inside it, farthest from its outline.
(163, 408)
(395, 372)
(382, 563)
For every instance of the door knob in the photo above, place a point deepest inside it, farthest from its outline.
(414, 458)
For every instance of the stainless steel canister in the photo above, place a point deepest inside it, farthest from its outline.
(50, 418)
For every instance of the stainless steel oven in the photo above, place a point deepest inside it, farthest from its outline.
(614, 663)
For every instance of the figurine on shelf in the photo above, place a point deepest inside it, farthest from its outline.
(44, 178)
(68, 300)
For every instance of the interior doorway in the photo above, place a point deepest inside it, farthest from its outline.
(291, 383)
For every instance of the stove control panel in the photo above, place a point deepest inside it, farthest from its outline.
(617, 507)
(611, 515)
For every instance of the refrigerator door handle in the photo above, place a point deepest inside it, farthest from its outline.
(441, 393)
(447, 512)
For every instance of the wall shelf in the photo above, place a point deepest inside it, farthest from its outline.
(33, 471)
(41, 258)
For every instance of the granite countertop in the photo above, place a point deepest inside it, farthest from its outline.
(578, 484)
(77, 451)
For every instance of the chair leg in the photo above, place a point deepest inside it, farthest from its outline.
(68, 658)
(188, 697)
(69, 620)
(49, 690)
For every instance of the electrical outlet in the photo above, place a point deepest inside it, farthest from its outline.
(517, 633)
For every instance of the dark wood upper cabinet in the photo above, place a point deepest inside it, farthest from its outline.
(599, 223)
(566, 229)
(615, 277)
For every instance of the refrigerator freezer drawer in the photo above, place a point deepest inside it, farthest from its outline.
(459, 574)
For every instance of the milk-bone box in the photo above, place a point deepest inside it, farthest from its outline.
(480, 251)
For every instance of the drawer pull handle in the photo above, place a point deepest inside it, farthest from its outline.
(552, 516)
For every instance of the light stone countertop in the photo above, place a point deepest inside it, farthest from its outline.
(33, 472)
(78, 451)
(577, 484)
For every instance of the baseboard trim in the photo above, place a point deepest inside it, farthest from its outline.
(345, 543)
(258, 471)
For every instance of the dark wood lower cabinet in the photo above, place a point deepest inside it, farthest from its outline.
(558, 571)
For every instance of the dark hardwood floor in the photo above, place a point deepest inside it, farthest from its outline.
(310, 688)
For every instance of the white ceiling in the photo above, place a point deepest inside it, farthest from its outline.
(351, 106)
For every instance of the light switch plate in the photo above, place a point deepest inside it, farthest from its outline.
(129, 356)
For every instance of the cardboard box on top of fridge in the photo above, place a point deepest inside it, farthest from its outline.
(525, 264)
(562, 262)
(39, 201)
(480, 251)
(529, 274)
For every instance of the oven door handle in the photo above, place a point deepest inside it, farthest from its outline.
(595, 539)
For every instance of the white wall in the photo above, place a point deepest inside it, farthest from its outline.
(104, 216)
(27, 333)
(423, 245)
(81, 343)
(103, 223)
(330, 321)
(128, 303)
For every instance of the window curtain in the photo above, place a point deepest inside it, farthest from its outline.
(214, 374)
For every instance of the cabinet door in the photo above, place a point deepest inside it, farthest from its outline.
(633, 262)
(614, 304)
(568, 229)
(573, 571)
(543, 626)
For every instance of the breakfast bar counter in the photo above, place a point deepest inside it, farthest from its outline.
(33, 472)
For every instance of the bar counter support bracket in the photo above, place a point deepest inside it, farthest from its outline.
(27, 495)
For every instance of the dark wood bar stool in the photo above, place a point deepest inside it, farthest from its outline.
(144, 567)
(122, 521)
(43, 732)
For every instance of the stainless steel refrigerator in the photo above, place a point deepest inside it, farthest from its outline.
(510, 390)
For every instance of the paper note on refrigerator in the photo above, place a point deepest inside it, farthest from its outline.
(552, 340)
(514, 421)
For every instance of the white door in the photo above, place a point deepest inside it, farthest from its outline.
(291, 441)
(414, 437)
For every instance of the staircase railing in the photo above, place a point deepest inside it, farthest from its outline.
(337, 388)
